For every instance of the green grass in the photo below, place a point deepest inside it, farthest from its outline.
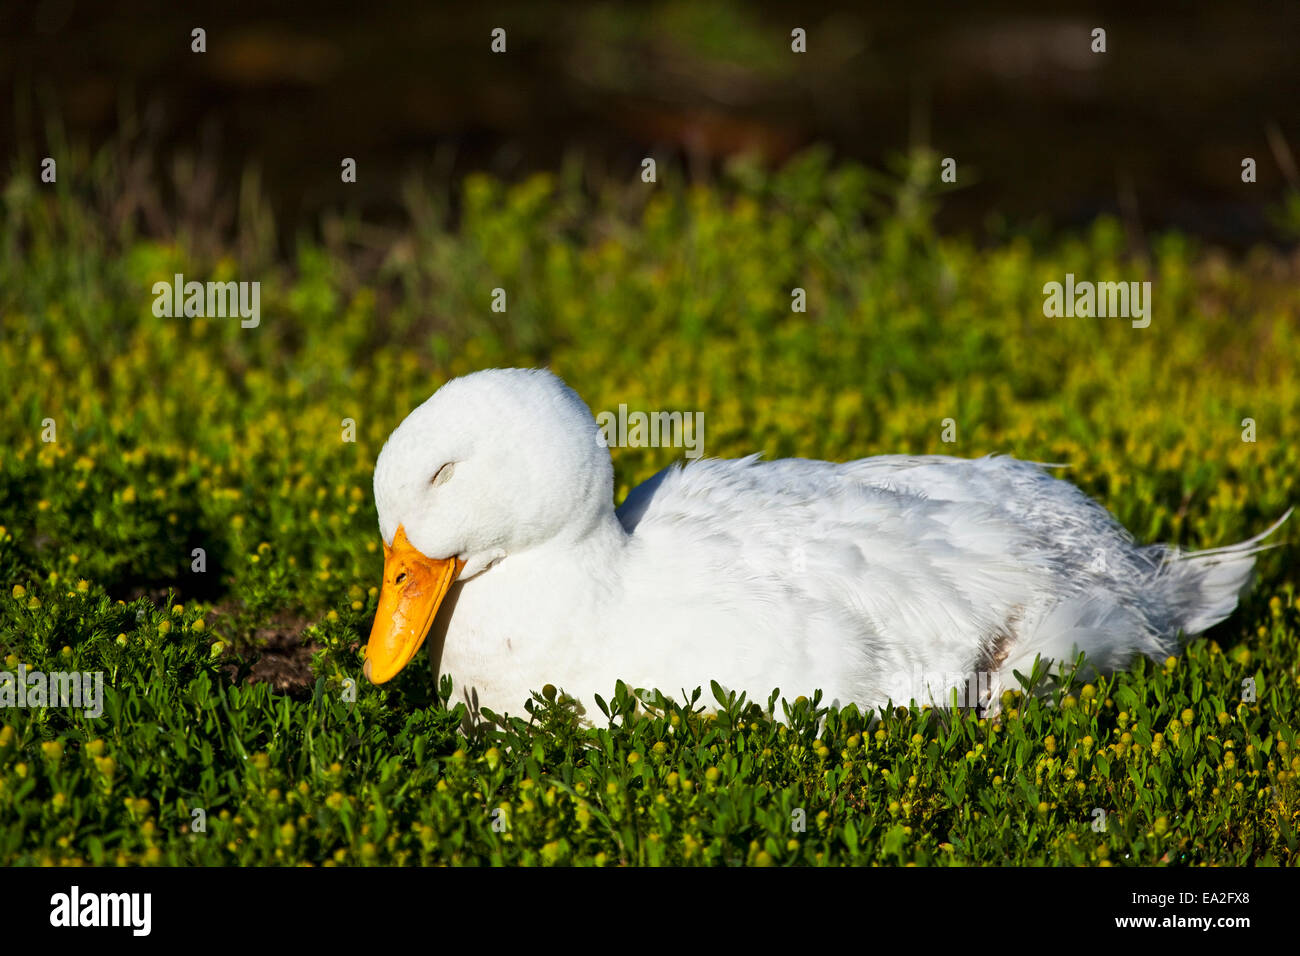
(176, 434)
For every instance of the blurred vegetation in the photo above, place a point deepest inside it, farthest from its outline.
(174, 434)
(1154, 129)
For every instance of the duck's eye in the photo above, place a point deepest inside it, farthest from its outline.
(442, 474)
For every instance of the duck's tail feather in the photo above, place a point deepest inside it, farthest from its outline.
(1202, 587)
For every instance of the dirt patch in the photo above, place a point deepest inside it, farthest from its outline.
(275, 654)
(285, 661)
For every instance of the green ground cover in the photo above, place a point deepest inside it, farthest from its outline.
(176, 434)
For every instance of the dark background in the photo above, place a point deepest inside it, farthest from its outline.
(1043, 130)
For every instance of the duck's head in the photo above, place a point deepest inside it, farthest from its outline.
(493, 464)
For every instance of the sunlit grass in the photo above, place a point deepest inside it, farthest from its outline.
(177, 434)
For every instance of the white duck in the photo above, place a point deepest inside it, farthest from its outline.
(889, 578)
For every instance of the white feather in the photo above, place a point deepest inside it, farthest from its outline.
(889, 578)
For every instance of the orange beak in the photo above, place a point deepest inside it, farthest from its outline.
(414, 587)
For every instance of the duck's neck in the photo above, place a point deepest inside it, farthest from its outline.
(539, 608)
(583, 566)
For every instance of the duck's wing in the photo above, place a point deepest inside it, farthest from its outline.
(1020, 491)
(979, 563)
(927, 564)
